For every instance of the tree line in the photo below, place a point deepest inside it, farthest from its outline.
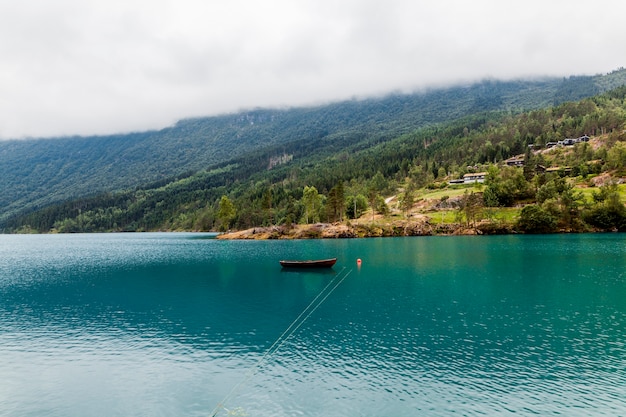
(346, 177)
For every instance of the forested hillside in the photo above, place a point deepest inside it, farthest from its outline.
(341, 176)
(38, 173)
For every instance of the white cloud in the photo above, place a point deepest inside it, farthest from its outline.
(92, 67)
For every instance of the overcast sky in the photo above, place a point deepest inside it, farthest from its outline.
(97, 67)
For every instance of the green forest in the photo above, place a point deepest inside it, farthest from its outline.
(355, 173)
(39, 173)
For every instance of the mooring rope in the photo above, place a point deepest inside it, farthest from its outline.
(293, 327)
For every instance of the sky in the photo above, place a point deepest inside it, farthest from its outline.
(86, 67)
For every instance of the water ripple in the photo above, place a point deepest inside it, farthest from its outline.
(154, 325)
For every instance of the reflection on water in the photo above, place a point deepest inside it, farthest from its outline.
(167, 324)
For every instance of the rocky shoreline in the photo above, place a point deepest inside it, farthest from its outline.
(422, 227)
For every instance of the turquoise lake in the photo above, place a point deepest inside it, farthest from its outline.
(173, 324)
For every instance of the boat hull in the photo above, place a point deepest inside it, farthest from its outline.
(318, 263)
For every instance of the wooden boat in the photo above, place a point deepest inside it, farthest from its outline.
(318, 263)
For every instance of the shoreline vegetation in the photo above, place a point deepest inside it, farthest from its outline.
(442, 213)
(442, 216)
(394, 228)
(349, 230)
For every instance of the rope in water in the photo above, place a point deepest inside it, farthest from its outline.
(293, 327)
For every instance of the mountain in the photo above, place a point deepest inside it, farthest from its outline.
(40, 172)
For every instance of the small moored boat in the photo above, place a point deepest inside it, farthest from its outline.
(318, 263)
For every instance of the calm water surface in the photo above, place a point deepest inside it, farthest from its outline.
(169, 324)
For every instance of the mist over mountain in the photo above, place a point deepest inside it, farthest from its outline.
(39, 172)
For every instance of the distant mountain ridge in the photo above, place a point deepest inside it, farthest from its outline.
(39, 172)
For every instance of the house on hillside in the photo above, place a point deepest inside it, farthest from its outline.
(516, 161)
(474, 177)
(568, 142)
(573, 141)
(540, 169)
(558, 170)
